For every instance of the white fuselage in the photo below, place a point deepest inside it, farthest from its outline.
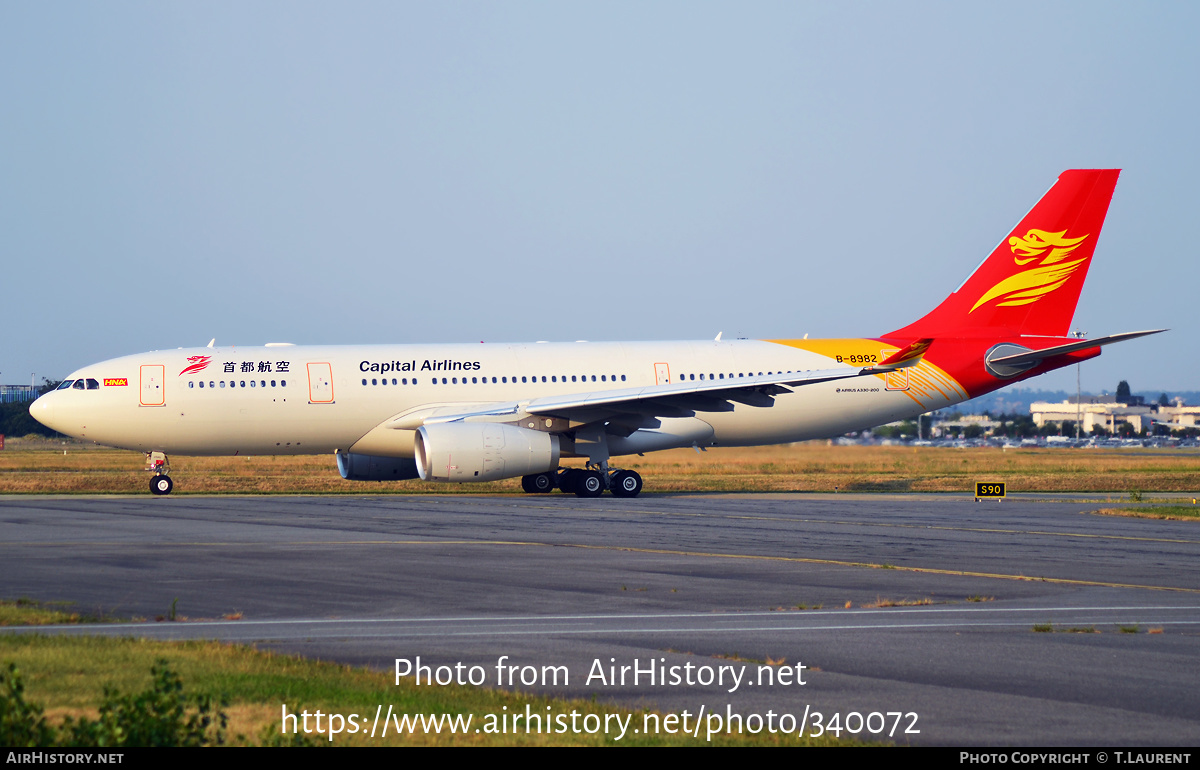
(317, 399)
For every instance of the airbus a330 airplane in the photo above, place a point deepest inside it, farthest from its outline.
(481, 412)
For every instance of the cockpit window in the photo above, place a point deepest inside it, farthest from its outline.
(93, 384)
(65, 384)
(79, 385)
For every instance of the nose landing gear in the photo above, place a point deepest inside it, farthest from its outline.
(161, 485)
(160, 482)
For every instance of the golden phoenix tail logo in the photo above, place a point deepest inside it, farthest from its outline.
(1048, 250)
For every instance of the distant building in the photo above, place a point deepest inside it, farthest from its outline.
(1179, 416)
(960, 423)
(14, 393)
(1104, 412)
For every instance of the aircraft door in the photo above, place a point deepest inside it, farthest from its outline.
(320, 383)
(662, 374)
(153, 391)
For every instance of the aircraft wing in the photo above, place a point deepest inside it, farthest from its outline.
(682, 399)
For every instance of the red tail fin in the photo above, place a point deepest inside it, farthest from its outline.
(1031, 282)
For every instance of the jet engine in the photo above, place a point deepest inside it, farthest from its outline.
(360, 467)
(482, 451)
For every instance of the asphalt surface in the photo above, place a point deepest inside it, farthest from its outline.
(689, 585)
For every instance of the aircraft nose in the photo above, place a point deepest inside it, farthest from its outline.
(42, 410)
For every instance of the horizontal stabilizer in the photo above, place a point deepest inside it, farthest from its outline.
(1037, 356)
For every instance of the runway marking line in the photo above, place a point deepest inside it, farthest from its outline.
(731, 615)
(305, 633)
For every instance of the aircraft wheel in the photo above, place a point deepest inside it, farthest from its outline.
(626, 484)
(589, 484)
(566, 480)
(161, 485)
(538, 483)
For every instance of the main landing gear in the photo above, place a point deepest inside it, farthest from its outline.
(585, 482)
(160, 482)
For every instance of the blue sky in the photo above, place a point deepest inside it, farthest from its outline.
(441, 172)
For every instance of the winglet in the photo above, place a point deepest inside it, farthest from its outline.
(909, 355)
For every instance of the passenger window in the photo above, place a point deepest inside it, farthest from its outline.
(622, 378)
(222, 383)
(202, 383)
(373, 382)
(593, 378)
(453, 380)
(404, 381)
(273, 383)
(191, 384)
(702, 376)
(522, 379)
(242, 384)
(283, 383)
(252, 383)
(474, 381)
(572, 378)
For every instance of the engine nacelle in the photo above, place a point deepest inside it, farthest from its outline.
(360, 467)
(482, 451)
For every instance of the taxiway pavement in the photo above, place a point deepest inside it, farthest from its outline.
(828, 581)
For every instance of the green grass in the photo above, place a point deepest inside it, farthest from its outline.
(68, 676)
(1179, 512)
(27, 612)
(58, 467)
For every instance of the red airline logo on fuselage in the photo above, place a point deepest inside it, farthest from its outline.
(196, 364)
